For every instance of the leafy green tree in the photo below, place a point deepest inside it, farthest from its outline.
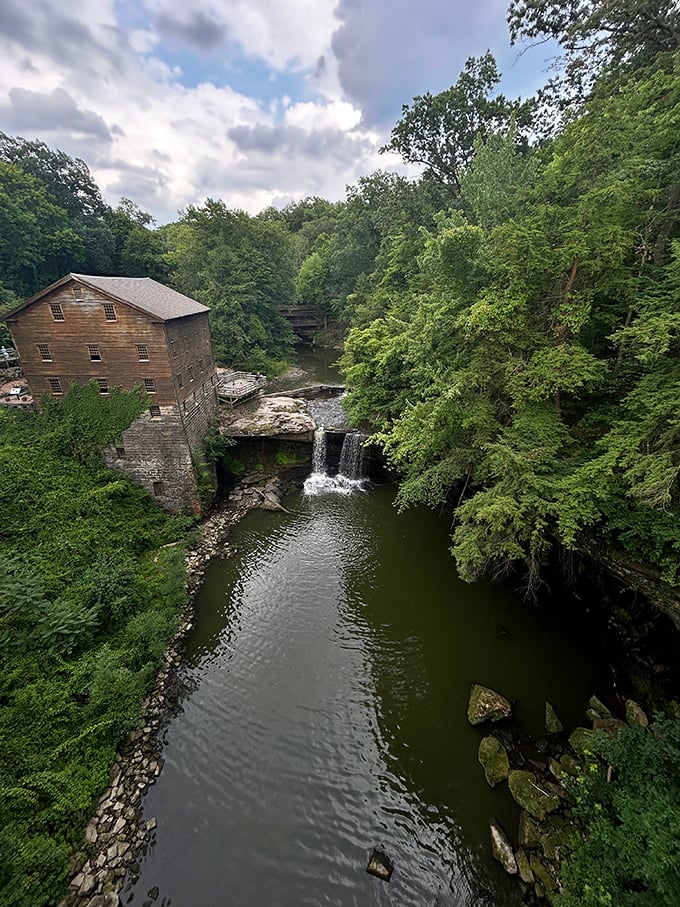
(439, 131)
(242, 268)
(36, 238)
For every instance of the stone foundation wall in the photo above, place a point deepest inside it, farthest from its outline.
(154, 452)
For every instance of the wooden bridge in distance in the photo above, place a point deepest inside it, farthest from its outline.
(305, 320)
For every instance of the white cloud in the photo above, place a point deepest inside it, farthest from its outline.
(96, 79)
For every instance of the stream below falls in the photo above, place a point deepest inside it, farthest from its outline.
(325, 690)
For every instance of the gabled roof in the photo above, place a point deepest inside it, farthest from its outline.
(142, 293)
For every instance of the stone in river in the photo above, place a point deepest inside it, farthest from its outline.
(523, 867)
(502, 848)
(380, 865)
(529, 794)
(494, 760)
(487, 705)
(553, 725)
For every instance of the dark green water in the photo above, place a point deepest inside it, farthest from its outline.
(327, 681)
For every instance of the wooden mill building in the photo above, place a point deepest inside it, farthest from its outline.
(122, 331)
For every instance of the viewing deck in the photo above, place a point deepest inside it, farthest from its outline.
(235, 387)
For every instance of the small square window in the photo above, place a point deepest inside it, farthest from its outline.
(109, 311)
(55, 385)
(44, 351)
(120, 452)
(57, 311)
(155, 412)
(95, 354)
(158, 488)
(150, 385)
(77, 292)
(180, 382)
(142, 352)
(103, 385)
(190, 372)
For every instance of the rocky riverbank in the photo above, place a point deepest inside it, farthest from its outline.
(116, 838)
(540, 777)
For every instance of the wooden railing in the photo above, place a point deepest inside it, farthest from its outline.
(233, 387)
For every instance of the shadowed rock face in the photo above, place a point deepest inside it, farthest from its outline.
(487, 705)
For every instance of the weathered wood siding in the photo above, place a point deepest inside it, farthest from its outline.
(85, 323)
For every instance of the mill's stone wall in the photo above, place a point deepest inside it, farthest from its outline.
(155, 453)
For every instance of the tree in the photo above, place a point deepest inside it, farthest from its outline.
(439, 131)
(242, 268)
(598, 38)
(36, 239)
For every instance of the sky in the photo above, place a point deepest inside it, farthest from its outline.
(256, 102)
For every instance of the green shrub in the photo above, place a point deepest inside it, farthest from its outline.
(631, 853)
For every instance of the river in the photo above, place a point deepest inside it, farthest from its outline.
(326, 683)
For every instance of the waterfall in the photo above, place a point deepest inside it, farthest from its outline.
(349, 477)
(352, 455)
(319, 452)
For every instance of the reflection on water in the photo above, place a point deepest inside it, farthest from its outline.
(328, 675)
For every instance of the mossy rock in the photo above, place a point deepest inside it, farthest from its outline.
(557, 771)
(530, 795)
(570, 765)
(530, 832)
(580, 740)
(598, 706)
(486, 704)
(523, 867)
(553, 725)
(559, 838)
(635, 716)
(610, 726)
(494, 760)
(543, 875)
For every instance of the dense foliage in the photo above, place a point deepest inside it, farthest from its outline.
(528, 367)
(87, 605)
(629, 797)
(242, 268)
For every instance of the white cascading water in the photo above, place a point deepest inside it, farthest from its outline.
(350, 474)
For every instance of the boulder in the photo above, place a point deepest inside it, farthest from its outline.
(598, 706)
(494, 760)
(570, 765)
(611, 726)
(558, 838)
(553, 725)
(580, 740)
(523, 867)
(501, 847)
(543, 875)
(485, 704)
(635, 715)
(271, 417)
(530, 795)
(530, 831)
